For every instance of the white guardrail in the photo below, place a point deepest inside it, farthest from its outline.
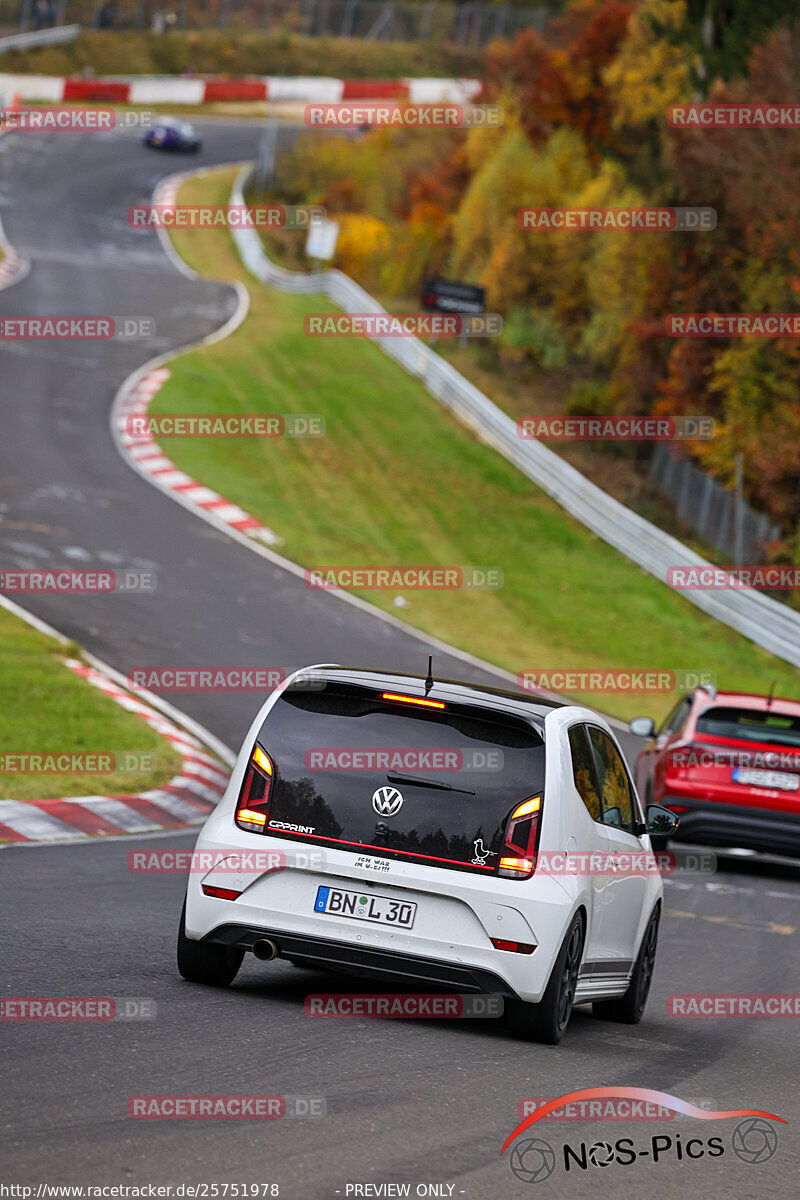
(766, 622)
(41, 37)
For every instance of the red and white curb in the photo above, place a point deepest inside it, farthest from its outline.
(13, 267)
(149, 459)
(187, 799)
(312, 89)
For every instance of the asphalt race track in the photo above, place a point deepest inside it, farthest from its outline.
(423, 1102)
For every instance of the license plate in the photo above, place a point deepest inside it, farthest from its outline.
(380, 909)
(767, 779)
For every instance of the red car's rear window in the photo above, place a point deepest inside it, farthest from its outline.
(751, 725)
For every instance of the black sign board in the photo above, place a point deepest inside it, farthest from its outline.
(449, 296)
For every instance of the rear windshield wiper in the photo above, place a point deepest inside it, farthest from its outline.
(395, 777)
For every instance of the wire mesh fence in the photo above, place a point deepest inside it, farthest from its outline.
(710, 509)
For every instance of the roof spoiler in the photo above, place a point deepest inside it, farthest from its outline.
(710, 688)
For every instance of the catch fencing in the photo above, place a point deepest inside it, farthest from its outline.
(709, 508)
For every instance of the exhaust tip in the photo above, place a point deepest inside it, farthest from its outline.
(266, 949)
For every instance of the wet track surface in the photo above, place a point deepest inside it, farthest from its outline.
(427, 1102)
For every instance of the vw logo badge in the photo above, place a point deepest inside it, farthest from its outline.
(387, 801)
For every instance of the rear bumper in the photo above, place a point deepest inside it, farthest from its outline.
(718, 824)
(378, 963)
(451, 939)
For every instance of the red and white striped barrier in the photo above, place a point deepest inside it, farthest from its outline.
(310, 89)
(185, 800)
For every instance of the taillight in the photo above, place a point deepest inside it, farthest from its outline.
(518, 855)
(252, 806)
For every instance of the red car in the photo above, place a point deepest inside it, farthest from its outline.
(729, 766)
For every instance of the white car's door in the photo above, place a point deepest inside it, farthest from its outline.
(627, 889)
(587, 838)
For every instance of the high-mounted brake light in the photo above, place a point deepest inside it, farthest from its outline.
(252, 807)
(518, 857)
(412, 700)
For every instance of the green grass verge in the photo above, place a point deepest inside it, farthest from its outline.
(398, 481)
(47, 708)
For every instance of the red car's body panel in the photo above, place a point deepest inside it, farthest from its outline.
(692, 770)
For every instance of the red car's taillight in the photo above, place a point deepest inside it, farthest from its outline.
(518, 855)
(252, 806)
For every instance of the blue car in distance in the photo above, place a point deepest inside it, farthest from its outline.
(168, 134)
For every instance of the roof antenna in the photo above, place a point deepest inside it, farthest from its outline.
(771, 695)
(429, 681)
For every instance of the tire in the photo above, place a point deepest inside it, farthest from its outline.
(205, 962)
(629, 1009)
(546, 1022)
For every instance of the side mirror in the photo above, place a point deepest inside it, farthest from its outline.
(643, 726)
(660, 821)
